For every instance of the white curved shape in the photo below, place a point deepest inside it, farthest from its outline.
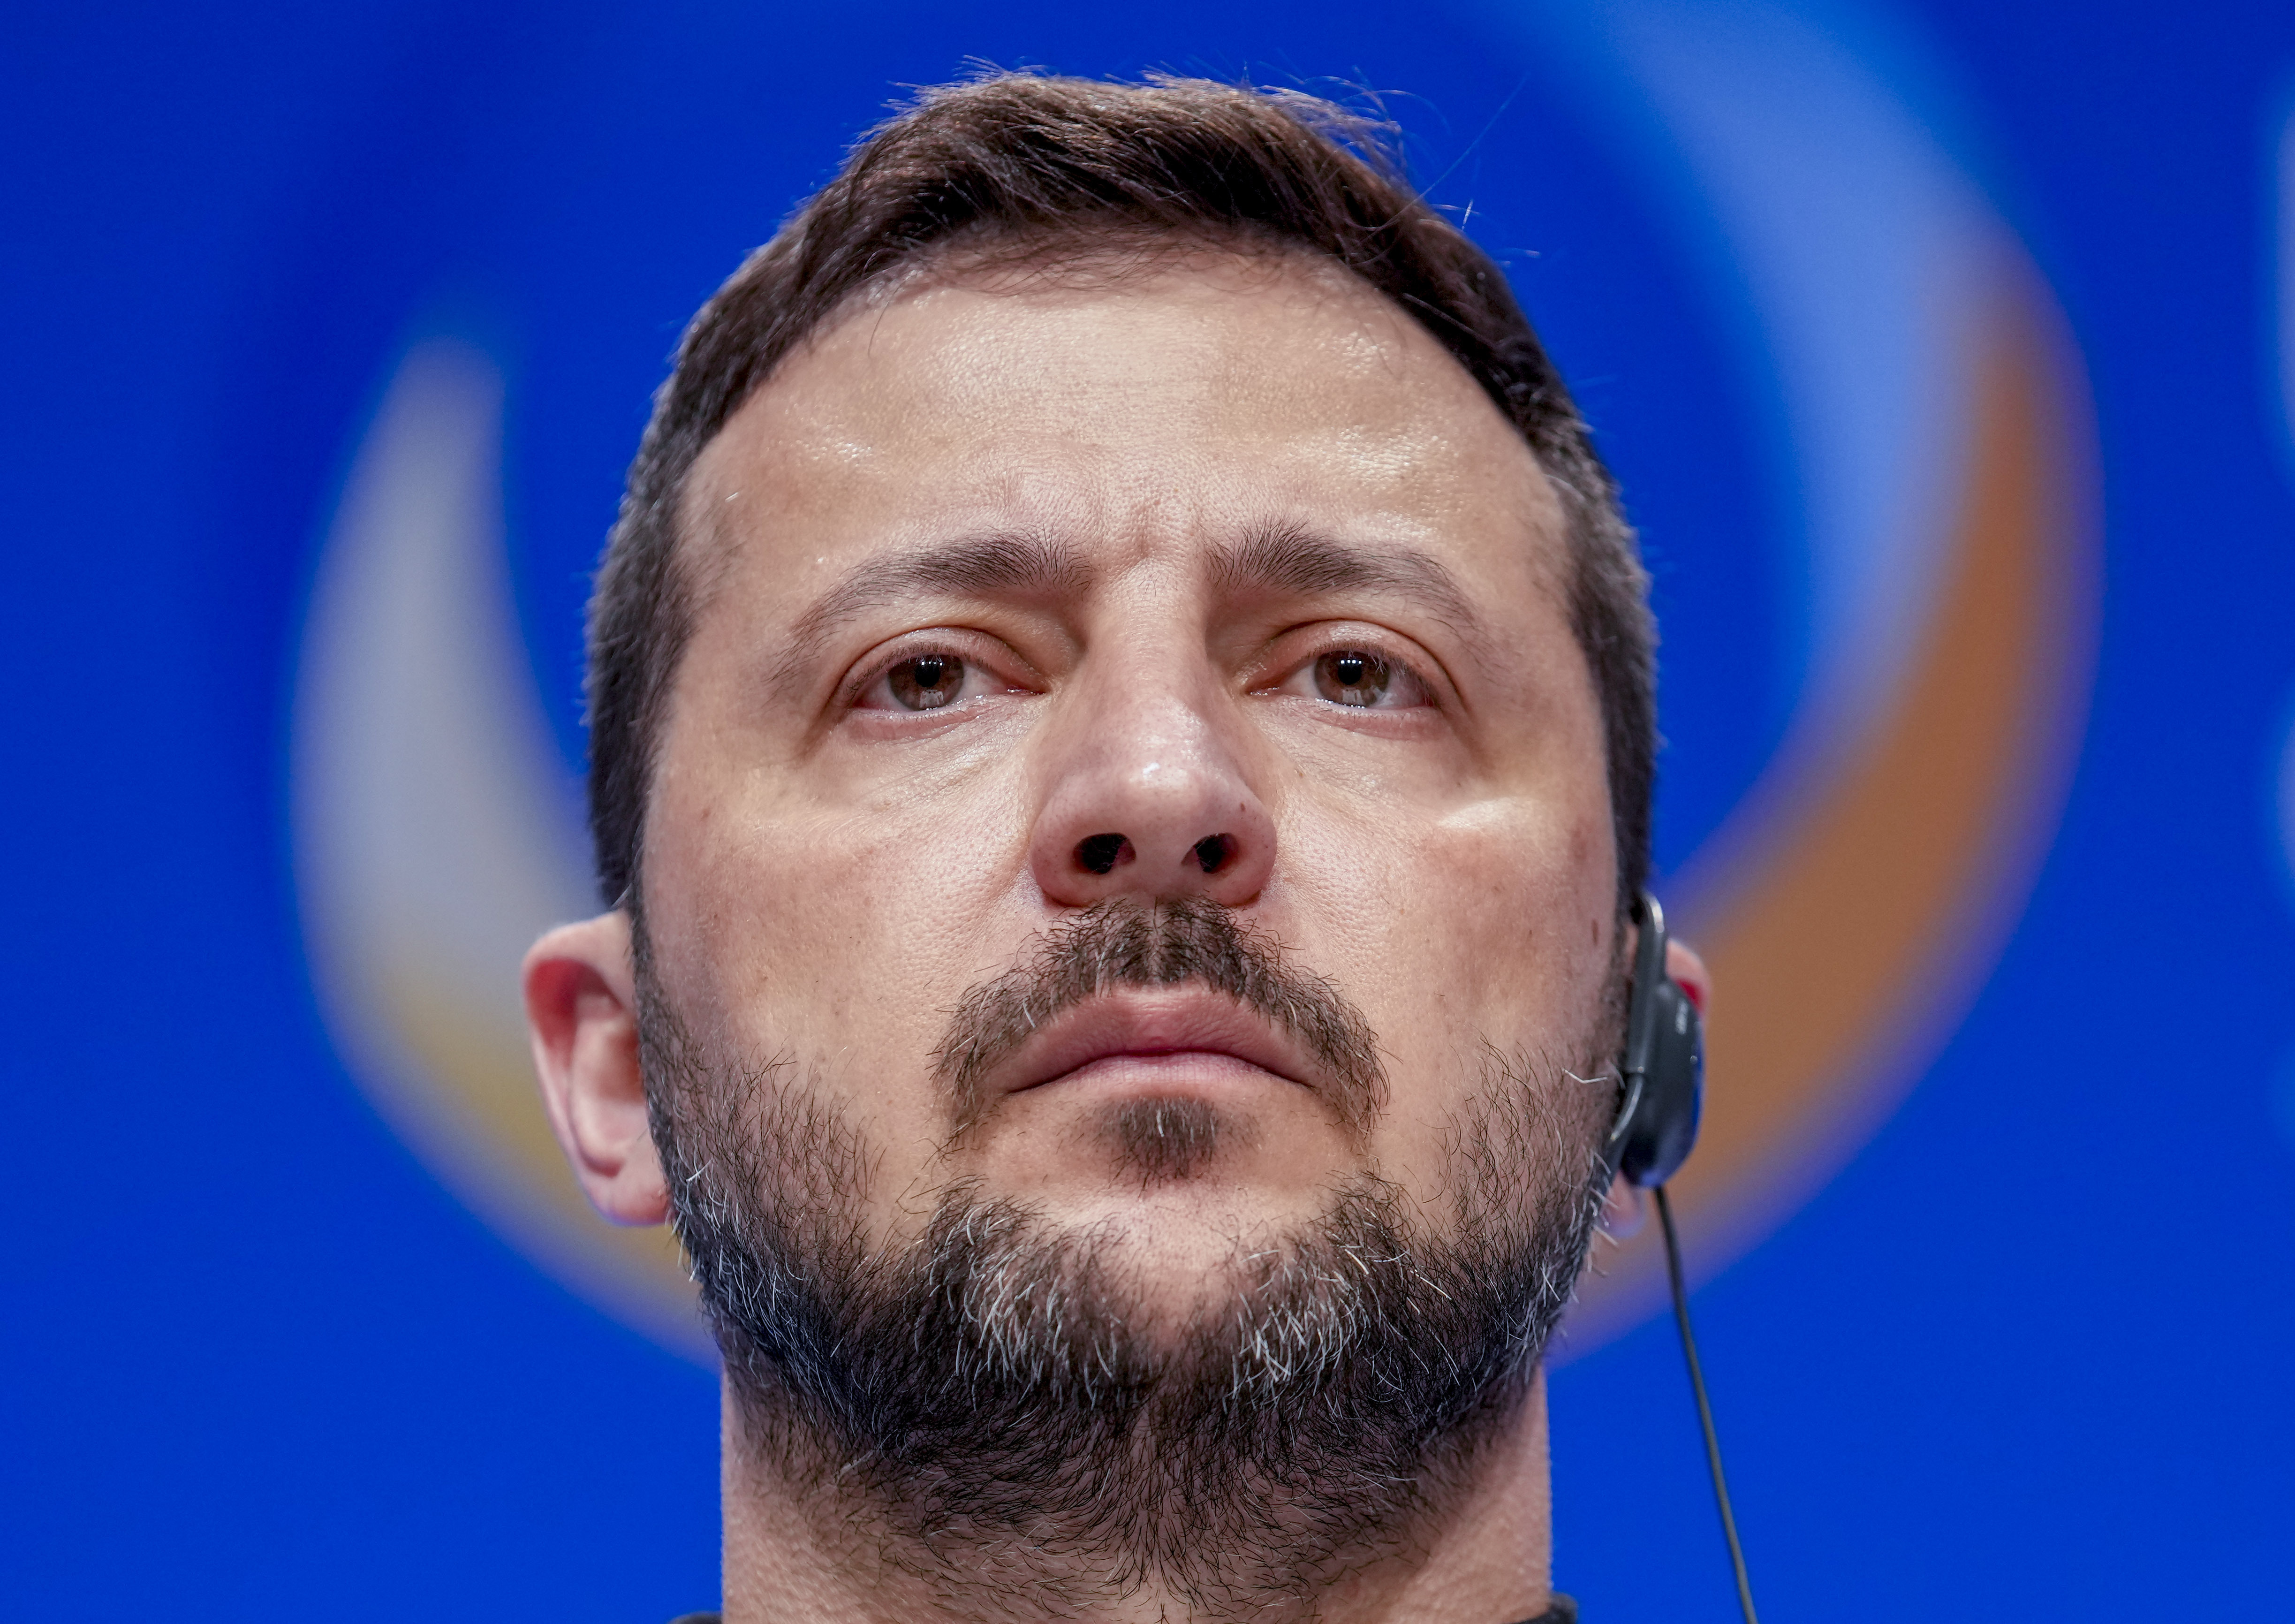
(435, 833)
(1863, 250)
(426, 787)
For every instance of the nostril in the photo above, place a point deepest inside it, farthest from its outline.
(1099, 853)
(1215, 851)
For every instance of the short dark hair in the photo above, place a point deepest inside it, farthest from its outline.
(1019, 158)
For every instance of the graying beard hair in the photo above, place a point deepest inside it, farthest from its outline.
(986, 1417)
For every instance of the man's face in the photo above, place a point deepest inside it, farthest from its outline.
(1219, 584)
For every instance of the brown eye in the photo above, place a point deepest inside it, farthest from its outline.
(928, 682)
(1352, 677)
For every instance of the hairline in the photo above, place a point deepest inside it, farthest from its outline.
(977, 258)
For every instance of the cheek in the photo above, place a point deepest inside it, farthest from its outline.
(1487, 926)
(1469, 909)
(1529, 894)
(838, 935)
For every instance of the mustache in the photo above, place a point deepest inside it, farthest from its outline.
(1126, 942)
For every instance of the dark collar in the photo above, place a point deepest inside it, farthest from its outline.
(1560, 1611)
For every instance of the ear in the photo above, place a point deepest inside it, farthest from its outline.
(580, 1011)
(1683, 964)
(1624, 1207)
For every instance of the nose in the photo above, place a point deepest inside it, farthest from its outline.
(1147, 799)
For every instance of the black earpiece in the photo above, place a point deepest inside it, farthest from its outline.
(1662, 1070)
(1663, 1079)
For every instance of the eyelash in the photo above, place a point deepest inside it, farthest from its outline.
(1402, 681)
(972, 672)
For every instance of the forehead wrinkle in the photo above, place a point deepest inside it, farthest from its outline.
(1002, 563)
(1289, 558)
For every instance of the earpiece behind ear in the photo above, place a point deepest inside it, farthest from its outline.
(1663, 1073)
(1662, 1068)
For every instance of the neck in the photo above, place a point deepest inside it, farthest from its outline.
(798, 1551)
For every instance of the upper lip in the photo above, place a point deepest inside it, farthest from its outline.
(1148, 1022)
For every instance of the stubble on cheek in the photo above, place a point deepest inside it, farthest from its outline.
(802, 952)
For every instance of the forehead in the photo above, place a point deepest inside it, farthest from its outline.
(1122, 407)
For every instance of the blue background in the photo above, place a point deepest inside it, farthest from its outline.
(2026, 1357)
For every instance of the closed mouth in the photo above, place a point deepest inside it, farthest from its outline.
(1179, 1031)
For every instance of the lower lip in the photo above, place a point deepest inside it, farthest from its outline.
(1163, 1069)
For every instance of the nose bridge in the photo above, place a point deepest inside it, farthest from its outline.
(1147, 791)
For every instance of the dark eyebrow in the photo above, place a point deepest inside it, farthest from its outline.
(1290, 558)
(1003, 564)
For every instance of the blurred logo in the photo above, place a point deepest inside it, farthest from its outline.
(1850, 906)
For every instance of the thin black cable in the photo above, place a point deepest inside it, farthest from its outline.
(1704, 1409)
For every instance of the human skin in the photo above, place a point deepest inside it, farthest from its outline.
(1175, 490)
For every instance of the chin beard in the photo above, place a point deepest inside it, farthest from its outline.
(993, 1411)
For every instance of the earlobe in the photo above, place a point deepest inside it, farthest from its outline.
(1622, 1210)
(581, 1012)
(1683, 964)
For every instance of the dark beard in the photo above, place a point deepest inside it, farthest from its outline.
(989, 1402)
